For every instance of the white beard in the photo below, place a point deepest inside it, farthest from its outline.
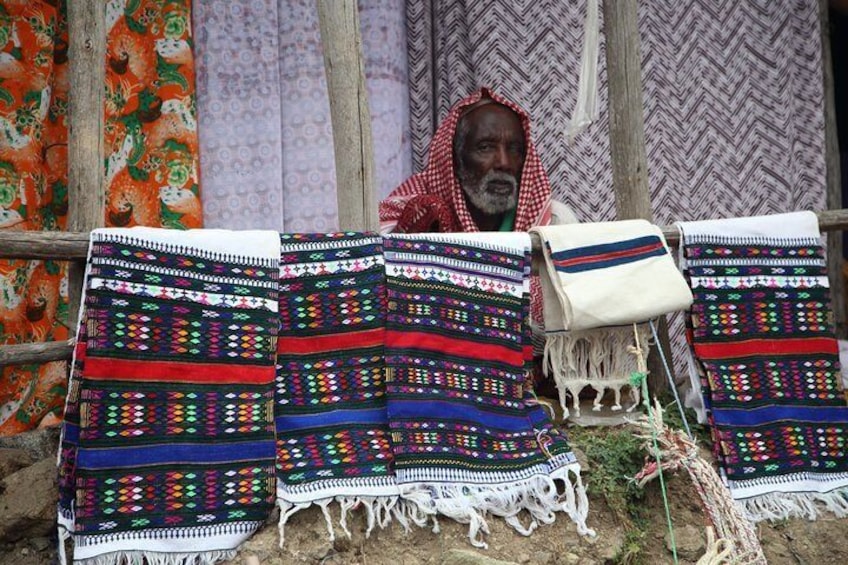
(487, 202)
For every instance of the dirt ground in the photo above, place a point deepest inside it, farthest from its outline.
(823, 542)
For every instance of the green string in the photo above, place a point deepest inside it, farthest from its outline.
(640, 379)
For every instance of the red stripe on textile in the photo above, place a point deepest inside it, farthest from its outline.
(793, 346)
(169, 371)
(608, 256)
(454, 347)
(332, 342)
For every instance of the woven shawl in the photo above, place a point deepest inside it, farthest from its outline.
(764, 347)
(597, 280)
(167, 450)
(330, 402)
(468, 438)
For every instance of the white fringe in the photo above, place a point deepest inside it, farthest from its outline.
(595, 358)
(379, 512)
(471, 503)
(776, 506)
(157, 558)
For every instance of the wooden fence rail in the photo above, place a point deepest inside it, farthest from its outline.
(73, 246)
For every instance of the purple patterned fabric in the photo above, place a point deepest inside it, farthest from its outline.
(266, 144)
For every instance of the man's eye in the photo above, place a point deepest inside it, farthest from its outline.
(516, 148)
(485, 146)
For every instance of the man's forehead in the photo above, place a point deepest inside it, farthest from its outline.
(492, 115)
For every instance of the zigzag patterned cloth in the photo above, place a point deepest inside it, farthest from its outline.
(763, 341)
(332, 429)
(167, 453)
(468, 437)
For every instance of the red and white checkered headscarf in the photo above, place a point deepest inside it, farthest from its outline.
(439, 182)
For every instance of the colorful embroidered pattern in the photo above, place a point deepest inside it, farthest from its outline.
(464, 430)
(168, 444)
(330, 402)
(761, 329)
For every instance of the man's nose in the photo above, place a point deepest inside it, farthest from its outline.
(504, 159)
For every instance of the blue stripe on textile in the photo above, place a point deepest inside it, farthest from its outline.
(772, 414)
(435, 410)
(70, 433)
(604, 249)
(196, 453)
(334, 418)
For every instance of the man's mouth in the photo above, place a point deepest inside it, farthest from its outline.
(500, 187)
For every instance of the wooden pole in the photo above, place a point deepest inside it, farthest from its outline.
(834, 175)
(351, 118)
(86, 196)
(627, 138)
(626, 125)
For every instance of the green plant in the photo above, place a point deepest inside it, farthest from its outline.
(615, 456)
(630, 552)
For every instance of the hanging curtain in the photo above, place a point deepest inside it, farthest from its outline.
(732, 97)
(150, 132)
(33, 196)
(266, 141)
(150, 140)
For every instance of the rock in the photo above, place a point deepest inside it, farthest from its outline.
(611, 546)
(571, 558)
(40, 543)
(690, 542)
(12, 459)
(543, 558)
(581, 459)
(28, 501)
(40, 444)
(467, 557)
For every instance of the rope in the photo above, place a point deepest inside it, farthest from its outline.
(737, 540)
(671, 384)
(640, 378)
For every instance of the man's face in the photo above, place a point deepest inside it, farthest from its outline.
(490, 158)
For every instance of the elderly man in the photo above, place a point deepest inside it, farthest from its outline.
(483, 174)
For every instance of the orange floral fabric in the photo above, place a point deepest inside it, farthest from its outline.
(33, 196)
(151, 122)
(151, 169)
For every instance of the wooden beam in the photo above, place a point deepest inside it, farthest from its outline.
(87, 67)
(834, 175)
(36, 353)
(351, 118)
(627, 139)
(65, 246)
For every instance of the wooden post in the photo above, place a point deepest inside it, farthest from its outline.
(627, 138)
(351, 118)
(86, 195)
(834, 175)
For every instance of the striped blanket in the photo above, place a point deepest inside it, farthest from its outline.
(330, 404)
(167, 450)
(468, 438)
(767, 362)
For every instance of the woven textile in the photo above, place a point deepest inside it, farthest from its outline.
(167, 452)
(468, 437)
(763, 340)
(598, 276)
(330, 404)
